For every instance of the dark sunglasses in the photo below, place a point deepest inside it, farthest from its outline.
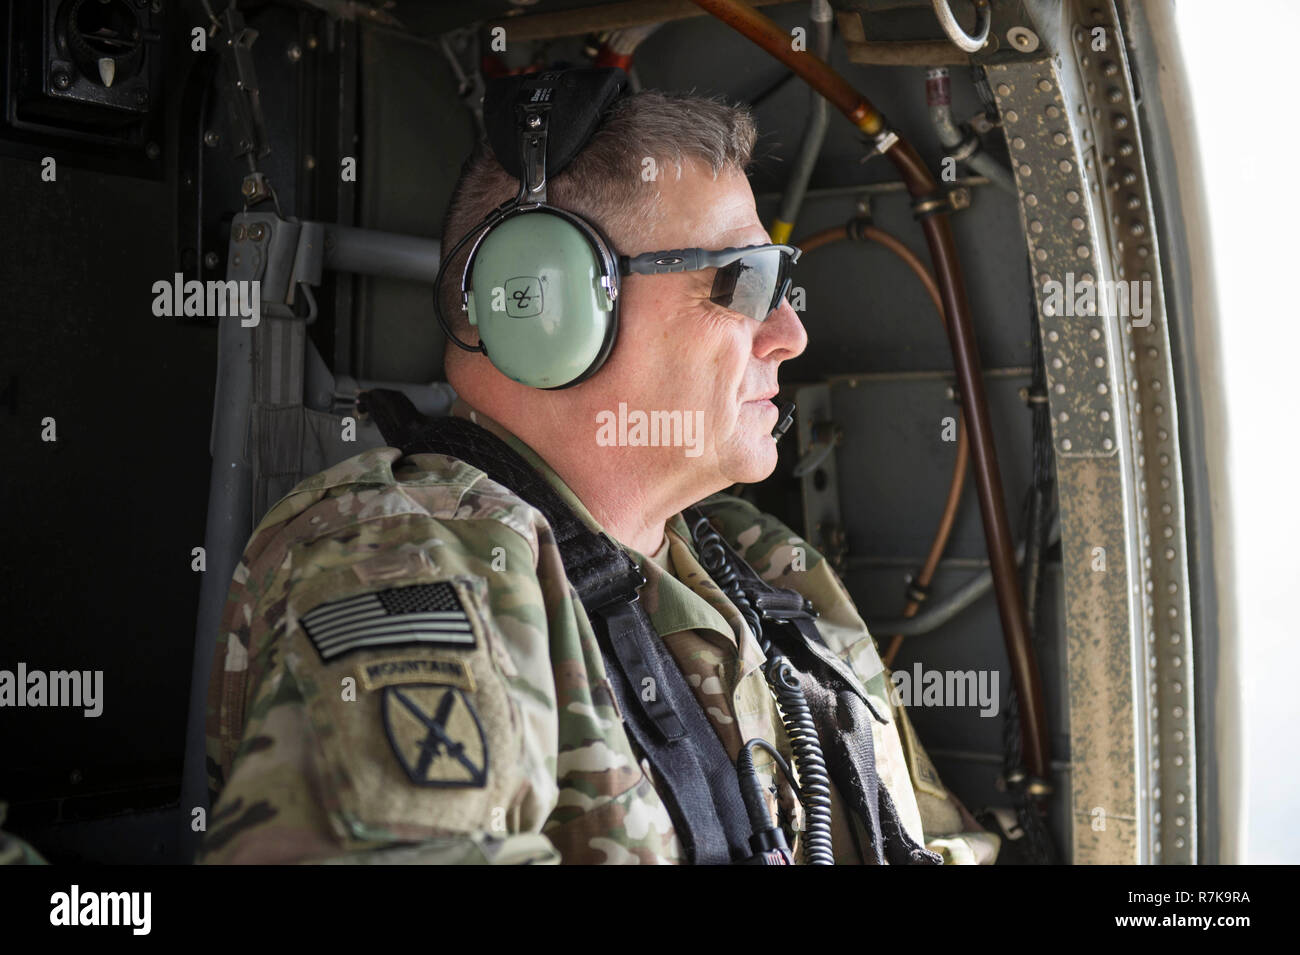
(751, 279)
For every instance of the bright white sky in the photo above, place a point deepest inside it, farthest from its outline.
(1240, 61)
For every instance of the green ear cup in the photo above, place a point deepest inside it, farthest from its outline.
(536, 298)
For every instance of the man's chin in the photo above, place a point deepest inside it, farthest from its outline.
(752, 463)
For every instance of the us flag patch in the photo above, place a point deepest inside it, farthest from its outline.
(419, 615)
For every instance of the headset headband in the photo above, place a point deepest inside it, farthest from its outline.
(577, 97)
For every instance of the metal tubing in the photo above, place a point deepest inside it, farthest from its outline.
(229, 522)
(390, 254)
(952, 604)
(937, 93)
(814, 132)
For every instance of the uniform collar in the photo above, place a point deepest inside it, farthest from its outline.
(463, 409)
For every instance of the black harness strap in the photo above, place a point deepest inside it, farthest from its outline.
(702, 789)
(660, 712)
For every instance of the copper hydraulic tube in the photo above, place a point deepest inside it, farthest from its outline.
(922, 186)
(939, 543)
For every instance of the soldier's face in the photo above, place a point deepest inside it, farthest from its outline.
(679, 351)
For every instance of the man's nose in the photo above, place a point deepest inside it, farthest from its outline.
(781, 335)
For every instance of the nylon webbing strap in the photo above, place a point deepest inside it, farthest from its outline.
(276, 415)
(702, 786)
(660, 712)
(637, 661)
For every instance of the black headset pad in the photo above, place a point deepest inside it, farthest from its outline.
(578, 101)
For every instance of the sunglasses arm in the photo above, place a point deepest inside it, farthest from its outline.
(661, 263)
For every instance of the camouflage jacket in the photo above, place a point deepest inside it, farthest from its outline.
(481, 726)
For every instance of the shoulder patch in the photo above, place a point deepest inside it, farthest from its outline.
(436, 735)
(415, 615)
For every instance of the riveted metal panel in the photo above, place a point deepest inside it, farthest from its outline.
(1153, 423)
(1076, 148)
(1058, 211)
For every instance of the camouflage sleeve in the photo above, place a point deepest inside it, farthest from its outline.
(400, 704)
(784, 559)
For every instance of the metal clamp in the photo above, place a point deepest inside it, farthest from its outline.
(951, 201)
(965, 149)
(532, 146)
(881, 143)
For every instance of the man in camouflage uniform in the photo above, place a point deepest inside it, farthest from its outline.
(499, 739)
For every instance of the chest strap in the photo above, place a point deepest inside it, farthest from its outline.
(694, 775)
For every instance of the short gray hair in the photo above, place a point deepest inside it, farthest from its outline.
(604, 183)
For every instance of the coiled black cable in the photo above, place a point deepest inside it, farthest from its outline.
(814, 781)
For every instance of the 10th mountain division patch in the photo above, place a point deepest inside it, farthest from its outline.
(436, 735)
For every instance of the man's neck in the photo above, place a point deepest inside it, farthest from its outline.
(631, 492)
(631, 504)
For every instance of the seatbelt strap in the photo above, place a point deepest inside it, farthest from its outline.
(693, 772)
